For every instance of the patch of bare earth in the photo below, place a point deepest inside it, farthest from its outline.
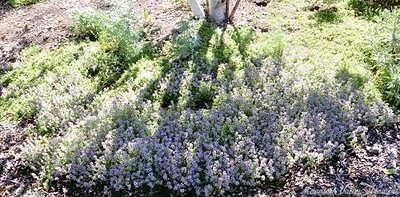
(14, 176)
(44, 24)
(3, 7)
(162, 18)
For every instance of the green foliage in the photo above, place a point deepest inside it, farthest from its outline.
(329, 15)
(112, 30)
(269, 45)
(17, 3)
(204, 42)
(384, 56)
(362, 8)
(42, 155)
(390, 171)
(203, 96)
(371, 8)
(111, 102)
(52, 88)
(193, 38)
(338, 45)
(55, 88)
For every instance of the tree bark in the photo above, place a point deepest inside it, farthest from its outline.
(217, 10)
(227, 10)
(197, 9)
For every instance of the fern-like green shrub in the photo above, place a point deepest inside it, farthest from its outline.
(18, 3)
(113, 31)
(384, 56)
(370, 8)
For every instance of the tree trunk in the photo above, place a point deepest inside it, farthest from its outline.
(197, 9)
(217, 10)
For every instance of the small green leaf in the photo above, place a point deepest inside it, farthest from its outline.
(390, 171)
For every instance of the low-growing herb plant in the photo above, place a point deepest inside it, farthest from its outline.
(18, 3)
(214, 111)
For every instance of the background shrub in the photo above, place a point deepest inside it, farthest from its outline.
(383, 55)
(17, 3)
(371, 8)
(113, 31)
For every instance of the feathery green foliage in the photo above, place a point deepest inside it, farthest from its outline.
(18, 3)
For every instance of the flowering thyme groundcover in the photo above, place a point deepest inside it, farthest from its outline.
(211, 112)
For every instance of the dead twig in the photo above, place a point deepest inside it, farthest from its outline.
(227, 10)
(234, 10)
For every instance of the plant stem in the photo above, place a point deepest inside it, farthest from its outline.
(227, 10)
(234, 10)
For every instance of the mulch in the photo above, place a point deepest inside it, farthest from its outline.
(14, 176)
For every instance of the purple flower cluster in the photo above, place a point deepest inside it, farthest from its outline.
(259, 127)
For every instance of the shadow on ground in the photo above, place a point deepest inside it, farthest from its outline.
(238, 134)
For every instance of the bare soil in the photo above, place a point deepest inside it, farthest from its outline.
(14, 179)
(46, 24)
